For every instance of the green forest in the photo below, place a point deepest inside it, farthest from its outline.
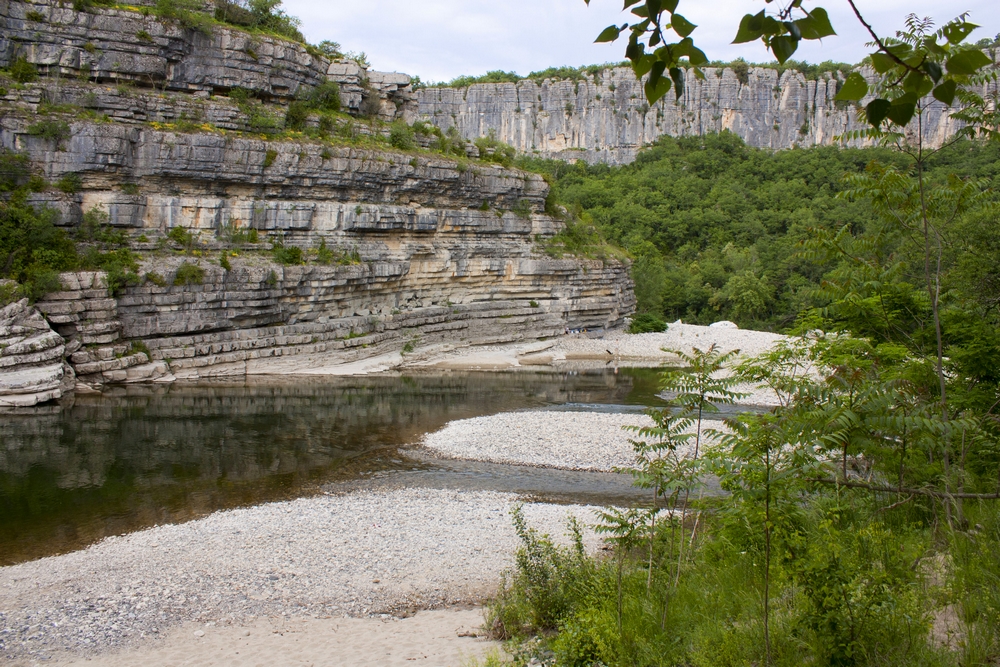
(855, 522)
(718, 230)
(855, 519)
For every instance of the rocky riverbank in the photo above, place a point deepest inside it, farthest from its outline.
(359, 554)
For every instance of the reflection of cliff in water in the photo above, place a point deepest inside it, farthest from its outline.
(143, 455)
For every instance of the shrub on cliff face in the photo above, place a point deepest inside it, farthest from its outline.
(323, 99)
(189, 274)
(264, 15)
(287, 255)
(22, 71)
(401, 136)
(14, 170)
(186, 12)
(57, 131)
(493, 150)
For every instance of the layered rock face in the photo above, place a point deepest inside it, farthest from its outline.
(133, 46)
(430, 254)
(605, 118)
(409, 252)
(32, 369)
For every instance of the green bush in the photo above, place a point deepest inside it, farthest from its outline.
(324, 97)
(189, 274)
(224, 262)
(287, 255)
(182, 237)
(14, 170)
(57, 131)
(236, 235)
(646, 323)
(22, 71)
(188, 13)
(155, 278)
(522, 209)
(492, 150)
(401, 136)
(69, 183)
(35, 16)
(296, 116)
(269, 157)
(546, 585)
(263, 15)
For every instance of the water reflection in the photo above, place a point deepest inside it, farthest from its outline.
(142, 455)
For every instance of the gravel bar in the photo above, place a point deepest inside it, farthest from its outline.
(568, 440)
(356, 554)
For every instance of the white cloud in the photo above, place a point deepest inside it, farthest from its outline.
(442, 39)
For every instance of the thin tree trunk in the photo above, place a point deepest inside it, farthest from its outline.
(933, 282)
(767, 558)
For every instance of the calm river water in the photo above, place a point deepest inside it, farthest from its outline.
(144, 455)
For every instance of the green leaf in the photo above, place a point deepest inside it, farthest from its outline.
(821, 23)
(750, 29)
(917, 83)
(654, 93)
(877, 111)
(783, 47)
(882, 63)
(933, 70)
(677, 76)
(641, 12)
(668, 5)
(793, 30)
(609, 34)
(771, 26)
(697, 56)
(946, 92)
(681, 25)
(653, 7)
(930, 43)
(628, 3)
(853, 89)
(656, 72)
(634, 50)
(956, 31)
(902, 109)
(642, 66)
(967, 62)
(901, 50)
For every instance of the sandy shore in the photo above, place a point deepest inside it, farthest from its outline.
(616, 346)
(580, 350)
(433, 638)
(325, 557)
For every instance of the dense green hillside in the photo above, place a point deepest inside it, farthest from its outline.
(716, 227)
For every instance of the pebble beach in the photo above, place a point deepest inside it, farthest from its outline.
(192, 592)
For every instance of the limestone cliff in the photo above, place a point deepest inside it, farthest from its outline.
(421, 251)
(604, 118)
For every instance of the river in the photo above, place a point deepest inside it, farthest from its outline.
(141, 455)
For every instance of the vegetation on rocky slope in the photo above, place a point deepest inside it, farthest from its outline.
(718, 229)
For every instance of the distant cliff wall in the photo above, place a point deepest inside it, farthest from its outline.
(605, 118)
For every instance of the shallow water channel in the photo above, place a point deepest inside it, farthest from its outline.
(137, 456)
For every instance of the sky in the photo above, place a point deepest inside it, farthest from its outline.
(439, 40)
